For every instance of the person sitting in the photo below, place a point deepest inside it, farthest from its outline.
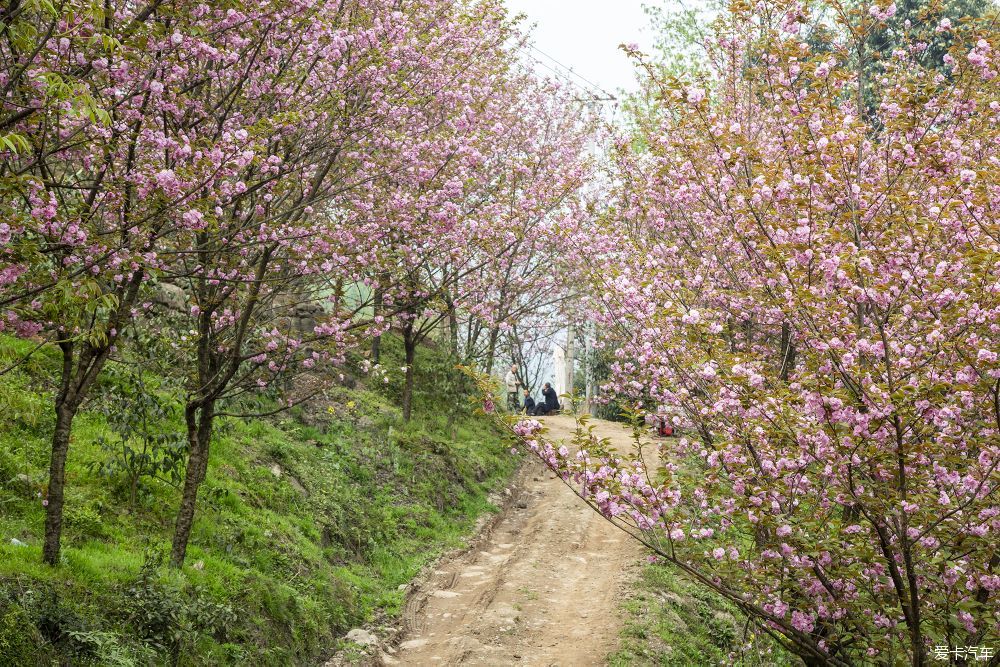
(529, 403)
(551, 404)
(663, 427)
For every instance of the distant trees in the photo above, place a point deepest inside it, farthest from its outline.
(469, 230)
(926, 27)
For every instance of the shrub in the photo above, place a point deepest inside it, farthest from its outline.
(20, 640)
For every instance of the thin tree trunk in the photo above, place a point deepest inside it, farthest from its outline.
(65, 412)
(453, 344)
(453, 330)
(376, 340)
(199, 424)
(78, 374)
(215, 370)
(787, 351)
(570, 363)
(410, 348)
(492, 350)
(587, 373)
(377, 296)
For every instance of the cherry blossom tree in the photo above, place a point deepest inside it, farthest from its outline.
(812, 297)
(83, 176)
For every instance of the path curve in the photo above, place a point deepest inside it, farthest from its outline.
(542, 589)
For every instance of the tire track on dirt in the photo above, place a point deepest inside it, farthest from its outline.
(543, 589)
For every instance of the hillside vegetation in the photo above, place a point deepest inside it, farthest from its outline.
(308, 524)
(673, 622)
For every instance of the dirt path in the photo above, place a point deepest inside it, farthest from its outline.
(543, 588)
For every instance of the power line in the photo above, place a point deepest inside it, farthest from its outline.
(569, 69)
(594, 96)
(589, 96)
(573, 72)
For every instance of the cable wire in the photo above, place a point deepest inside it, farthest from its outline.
(573, 72)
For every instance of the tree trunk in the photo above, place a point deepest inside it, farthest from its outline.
(453, 347)
(787, 351)
(199, 424)
(377, 339)
(65, 412)
(410, 348)
(453, 330)
(492, 350)
(78, 374)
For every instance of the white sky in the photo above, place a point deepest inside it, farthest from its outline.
(585, 34)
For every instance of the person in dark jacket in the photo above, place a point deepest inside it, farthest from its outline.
(529, 403)
(551, 404)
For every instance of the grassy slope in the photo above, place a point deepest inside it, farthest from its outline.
(307, 525)
(673, 622)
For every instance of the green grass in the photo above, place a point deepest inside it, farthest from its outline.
(674, 622)
(279, 566)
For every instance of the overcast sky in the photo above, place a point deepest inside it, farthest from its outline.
(585, 34)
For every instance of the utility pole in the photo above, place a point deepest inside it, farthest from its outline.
(588, 374)
(570, 359)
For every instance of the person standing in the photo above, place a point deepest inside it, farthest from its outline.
(512, 383)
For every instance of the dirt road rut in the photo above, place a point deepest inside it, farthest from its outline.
(542, 588)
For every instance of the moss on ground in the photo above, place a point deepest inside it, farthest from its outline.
(307, 525)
